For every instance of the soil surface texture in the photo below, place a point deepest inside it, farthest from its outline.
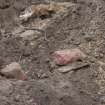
(30, 43)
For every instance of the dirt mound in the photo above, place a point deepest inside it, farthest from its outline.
(31, 43)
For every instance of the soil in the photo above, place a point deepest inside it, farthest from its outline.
(81, 26)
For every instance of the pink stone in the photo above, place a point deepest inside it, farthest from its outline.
(63, 57)
(14, 70)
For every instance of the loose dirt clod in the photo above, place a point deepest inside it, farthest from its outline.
(14, 70)
(66, 56)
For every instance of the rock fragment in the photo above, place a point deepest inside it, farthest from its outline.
(14, 70)
(27, 34)
(73, 67)
(63, 57)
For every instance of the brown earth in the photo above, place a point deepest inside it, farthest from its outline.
(82, 26)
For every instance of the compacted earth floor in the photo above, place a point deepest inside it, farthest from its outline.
(81, 25)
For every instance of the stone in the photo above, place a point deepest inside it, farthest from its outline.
(14, 70)
(73, 67)
(63, 57)
(18, 30)
(27, 34)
